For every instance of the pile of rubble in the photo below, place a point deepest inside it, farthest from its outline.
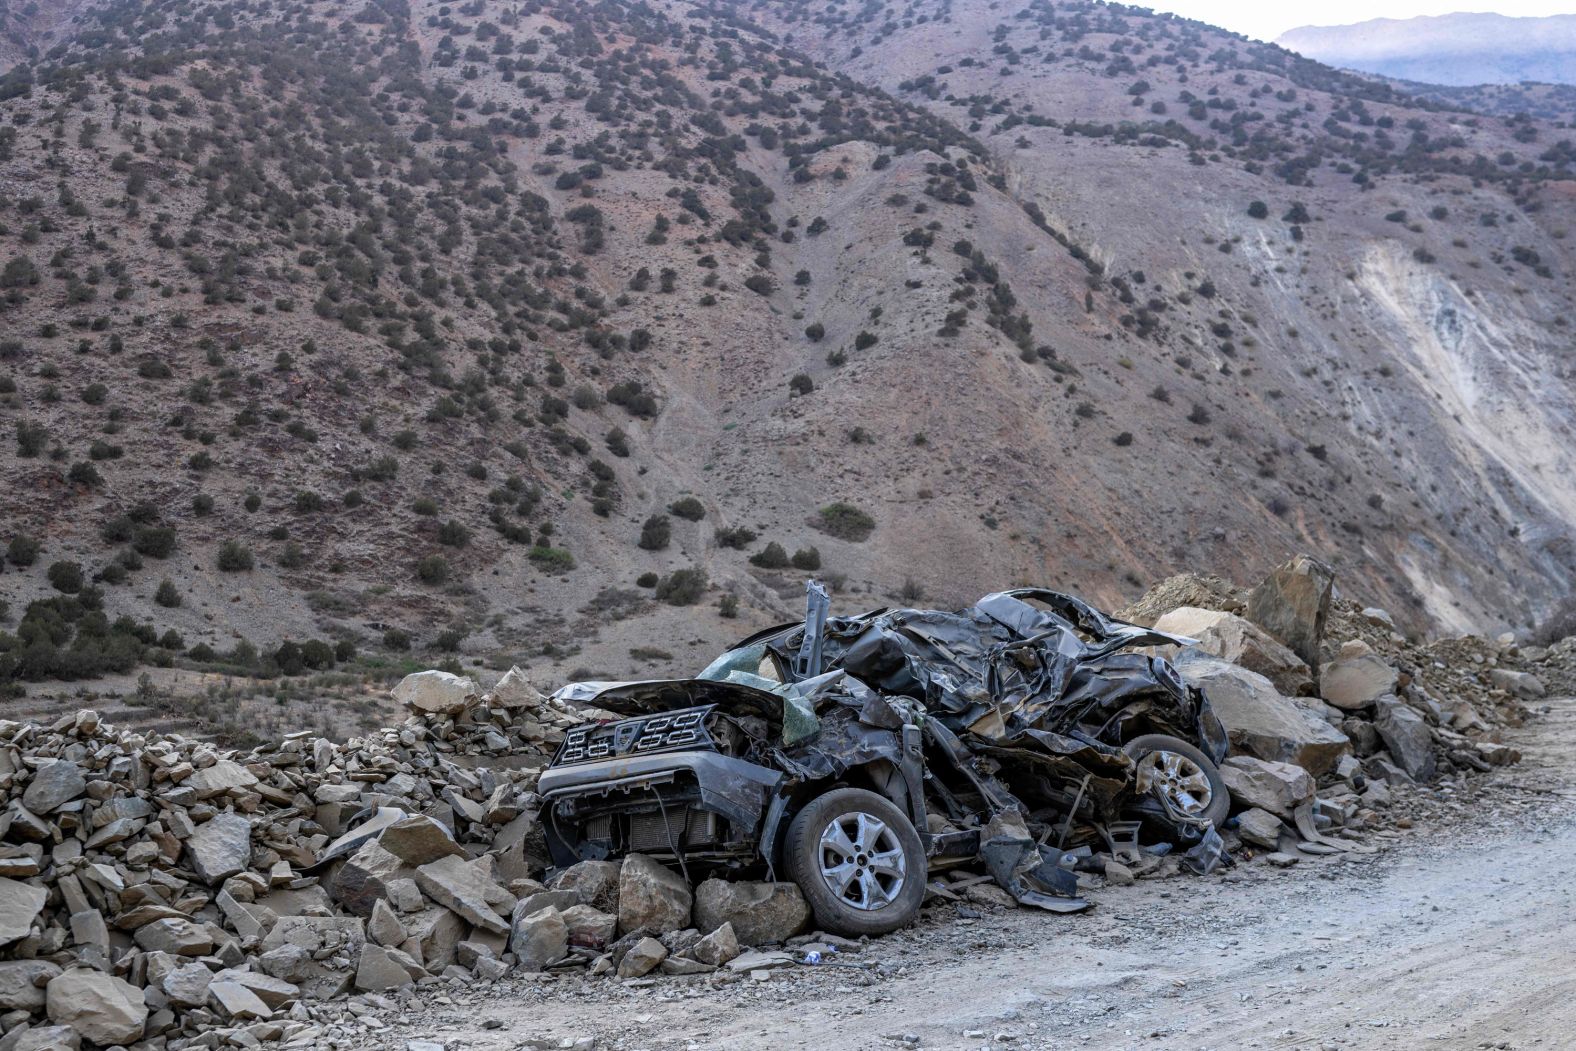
(158, 892)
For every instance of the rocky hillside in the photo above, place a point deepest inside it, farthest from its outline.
(494, 326)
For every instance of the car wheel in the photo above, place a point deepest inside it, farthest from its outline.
(1182, 774)
(858, 861)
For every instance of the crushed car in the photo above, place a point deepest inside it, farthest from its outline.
(855, 754)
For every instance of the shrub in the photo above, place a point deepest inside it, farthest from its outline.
(1258, 210)
(807, 558)
(154, 541)
(688, 508)
(453, 534)
(66, 577)
(845, 521)
(647, 580)
(772, 556)
(317, 654)
(23, 550)
(31, 437)
(425, 506)
(234, 557)
(865, 340)
(202, 504)
(167, 595)
(434, 569)
(395, 639)
(815, 331)
(448, 640)
(801, 384)
(655, 533)
(728, 606)
(551, 559)
(738, 538)
(307, 502)
(682, 587)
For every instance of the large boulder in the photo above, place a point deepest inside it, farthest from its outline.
(1520, 683)
(55, 783)
(1279, 788)
(1293, 603)
(651, 898)
(363, 880)
(759, 912)
(1356, 678)
(539, 939)
(220, 847)
(514, 690)
(1407, 737)
(593, 883)
(46, 1038)
(1231, 638)
(226, 775)
(468, 889)
(1258, 719)
(419, 840)
(436, 692)
(381, 968)
(20, 904)
(22, 983)
(99, 1007)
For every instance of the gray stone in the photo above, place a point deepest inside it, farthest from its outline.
(88, 928)
(436, 692)
(1118, 874)
(1356, 679)
(383, 968)
(1361, 732)
(514, 690)
(187, 985)
(223, 776)
(288, 963)
(467, 889)
(718, 947)
(48, 1038)
(1406, 735)
(1277, 787)
(1293, 603)
(55, 783)
(176, 937)
(363, 880)
(384, 926)
(1240, 641)
(20, 904)
(651, 898)
(435, 932)
(237, 1002)
(220, 848)
(22, 983)
(1522, 684)
(1259, 827)
(419, 840)
(759, 912)
(589, 927)
(274, 992)
(595, 883)
(642, 958)
(1258, 719)
(99, 1007)
(539, 939)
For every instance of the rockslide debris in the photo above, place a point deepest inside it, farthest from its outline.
(159, 892)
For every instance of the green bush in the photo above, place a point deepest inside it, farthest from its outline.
(770, 557)
(23, 550)
(167, 594)
(234, 557)
(688, 508)
(453, 534)
(434, 569)
(728, 606)
(395, 639)
(807, 558)
(738, 538)
(647, 580)
(154, 541)
(66, 577)
(845, 521)
(551, 559)
(655, 533)
(682, 587)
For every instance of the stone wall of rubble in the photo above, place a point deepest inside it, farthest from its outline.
(157, 892)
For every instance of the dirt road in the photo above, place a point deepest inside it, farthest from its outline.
(1461, 933)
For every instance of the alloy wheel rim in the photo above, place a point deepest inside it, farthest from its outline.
(861, 861)
(1179, 779)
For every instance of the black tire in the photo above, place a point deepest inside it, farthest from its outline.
(1218, 806)
(894, 901)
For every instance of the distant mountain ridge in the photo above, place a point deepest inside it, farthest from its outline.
(1456, 50)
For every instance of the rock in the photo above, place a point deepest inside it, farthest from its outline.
(1282, 860)
(20, 904)
(419, 840)
(467, 889)
(384, 926)
(1356, 679)
(1118, 874)
(1293, 603)
(651, 898)
(381, 968)
(438, 692)
(272, 991)
(514, 690)
(99, 1007)
(220, 848)
(539, 939)
(363, 880)
(594, 883)
(187, 985)
(88, 928)
(1361, 732)
(1258, 719)
(47, 1038)
(288, 963)
(176, 937)
(589, 927)
(22, 983)
(236, 1001)
(1522, 684)
(325, 939)
(1259, 827)
(718, 947)
(1277, 787)
(1240, 641)
(55, 783)
(759, 912)
(642, 958)
(1378, 617)
(435, 932)
(224, 776)
(1406, 735)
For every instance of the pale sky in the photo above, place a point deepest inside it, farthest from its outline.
(1268, 20)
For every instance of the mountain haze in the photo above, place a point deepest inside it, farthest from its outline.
(461, 318)
(1456, 50)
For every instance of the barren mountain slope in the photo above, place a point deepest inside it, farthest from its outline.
(426, 310)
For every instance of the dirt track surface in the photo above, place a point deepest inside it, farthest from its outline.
(1460, 933)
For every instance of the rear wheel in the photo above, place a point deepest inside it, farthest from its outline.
(1183, 775)
(858, 860)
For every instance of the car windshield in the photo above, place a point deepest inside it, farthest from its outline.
(747, 665)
